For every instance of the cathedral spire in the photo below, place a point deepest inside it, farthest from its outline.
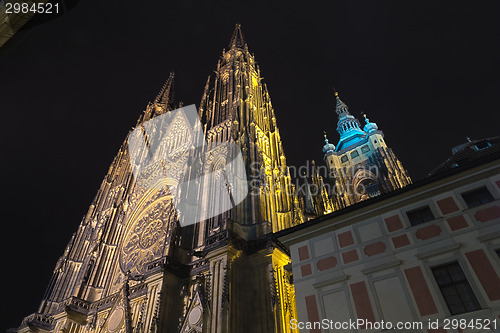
(237, 40)
(238, 109)
(163, 102)
(166, 94)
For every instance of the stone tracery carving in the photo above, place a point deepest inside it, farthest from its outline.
(145, 238)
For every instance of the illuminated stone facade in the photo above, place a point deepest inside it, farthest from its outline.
(130, 267)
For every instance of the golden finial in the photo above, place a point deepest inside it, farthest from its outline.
(335, 92)
(324, 133)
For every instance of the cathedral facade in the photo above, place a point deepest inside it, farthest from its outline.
(133, 266)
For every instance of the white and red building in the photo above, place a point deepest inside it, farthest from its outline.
(426, 253)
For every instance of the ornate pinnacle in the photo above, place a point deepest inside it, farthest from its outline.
(166, 94)
(366, 117)
(237, 39)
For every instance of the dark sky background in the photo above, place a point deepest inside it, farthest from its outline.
(426, 72)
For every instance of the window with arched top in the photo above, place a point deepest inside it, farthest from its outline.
(365, 185)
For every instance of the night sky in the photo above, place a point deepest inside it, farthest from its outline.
(426, 72)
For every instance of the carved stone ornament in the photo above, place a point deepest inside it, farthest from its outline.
(145, 236)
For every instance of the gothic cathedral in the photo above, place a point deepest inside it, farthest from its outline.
(131, 267)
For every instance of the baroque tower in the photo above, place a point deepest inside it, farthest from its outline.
(132, 267)
(361, 165)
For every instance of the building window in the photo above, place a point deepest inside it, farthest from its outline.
(477, 197)
(354, 154)
(343, 159)
(365, 149)
(455, 289)
(420, 215)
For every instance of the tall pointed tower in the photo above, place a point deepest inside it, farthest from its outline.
(236, 107)
(361, 165)
(131, 267)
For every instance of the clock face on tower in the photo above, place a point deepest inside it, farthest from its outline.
(145, 236)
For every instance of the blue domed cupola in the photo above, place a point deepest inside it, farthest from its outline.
(369, 127)
(347, 126)
(328, 148)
